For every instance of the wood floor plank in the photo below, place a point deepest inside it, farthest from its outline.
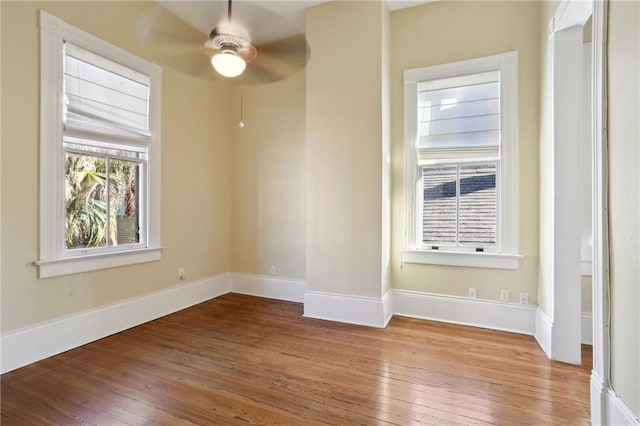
(242, 359)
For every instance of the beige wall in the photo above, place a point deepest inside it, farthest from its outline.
(624, 187)
(448, 31)
(545, 279)
(196, 157)
(344, 148)
(268, 176)
(1, 203)
(386, 150)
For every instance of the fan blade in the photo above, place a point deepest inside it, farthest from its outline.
(173, 43)
(277, 60)
(293, 50)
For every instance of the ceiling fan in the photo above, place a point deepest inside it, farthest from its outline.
(232, 54)
(231, 47)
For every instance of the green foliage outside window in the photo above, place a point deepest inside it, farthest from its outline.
(101, 206)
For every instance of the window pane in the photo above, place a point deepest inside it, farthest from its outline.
(477, 222)
(439, 205)
(85, 201)
(123, 191)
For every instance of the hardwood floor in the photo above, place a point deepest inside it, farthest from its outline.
(242, 359)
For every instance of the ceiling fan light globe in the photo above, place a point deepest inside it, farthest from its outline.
(228, 64)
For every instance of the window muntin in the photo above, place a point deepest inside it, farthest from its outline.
(461, 119)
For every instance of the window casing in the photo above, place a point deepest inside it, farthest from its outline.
(461, 175)
(100, 153)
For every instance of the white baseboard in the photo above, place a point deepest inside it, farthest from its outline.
(597, 399)
(268, 286)
(459, 310)
(543, 331)
(619, 413)
(586, 328)
(22, 347)
(369, 311)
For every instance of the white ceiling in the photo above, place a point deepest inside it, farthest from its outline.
(266, 20)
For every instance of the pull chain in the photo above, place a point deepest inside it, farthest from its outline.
(241, 124)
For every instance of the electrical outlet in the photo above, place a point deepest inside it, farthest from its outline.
(272, 270)
(472, 293)
(181, 273)
(524, 298)
(504, 295)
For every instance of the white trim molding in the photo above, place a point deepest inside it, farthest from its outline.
(78, 264)
(455, 258)
(489, 314)
(280, 288)
(571, 13)
(543, 328)
(600, 253)
(607, 408)
(31, 344)
(368, 311)
(565, 93)
(598, 398)
(619, 413)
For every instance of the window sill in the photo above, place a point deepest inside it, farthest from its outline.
(473, 260)
(94, 262)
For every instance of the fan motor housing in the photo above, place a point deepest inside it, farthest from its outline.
(221, 42)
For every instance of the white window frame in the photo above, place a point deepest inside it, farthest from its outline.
(53, 259)
(506, 254)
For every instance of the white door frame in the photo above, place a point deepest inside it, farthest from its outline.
(600, 373)
(574, 13)
(566, 73)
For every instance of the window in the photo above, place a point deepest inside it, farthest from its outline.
(100, 153)
(461, 163)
